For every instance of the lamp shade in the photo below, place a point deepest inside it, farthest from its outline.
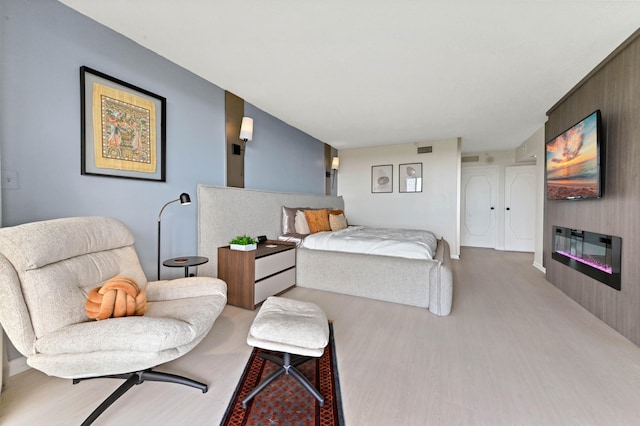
(246, 129)
(335, 163)
(185, 199)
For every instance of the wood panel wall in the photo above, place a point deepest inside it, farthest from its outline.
(234, 111)
(614, 88)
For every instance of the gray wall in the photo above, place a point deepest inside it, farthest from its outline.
(45, 43)
(613, 88)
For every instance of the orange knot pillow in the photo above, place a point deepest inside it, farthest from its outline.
(118, 297)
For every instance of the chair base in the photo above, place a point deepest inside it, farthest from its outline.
(136, 378)
(286, 367)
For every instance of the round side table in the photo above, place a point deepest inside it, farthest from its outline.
(185, 262)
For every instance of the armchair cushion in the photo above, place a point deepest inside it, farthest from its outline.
(181, 288)
(166, 325)
(33, 247)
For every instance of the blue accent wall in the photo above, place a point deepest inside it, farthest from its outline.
(281, 157)
(43, 44)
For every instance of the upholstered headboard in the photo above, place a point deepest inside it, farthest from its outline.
(226, 212)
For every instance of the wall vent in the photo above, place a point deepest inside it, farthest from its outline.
(471, 159)
(425, 149)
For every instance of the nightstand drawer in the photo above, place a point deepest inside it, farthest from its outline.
(274, 284)
(274, 263)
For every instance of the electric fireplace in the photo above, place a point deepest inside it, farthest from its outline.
(595, 255)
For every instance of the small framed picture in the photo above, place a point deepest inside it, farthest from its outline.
(410, 177)
(382, 178)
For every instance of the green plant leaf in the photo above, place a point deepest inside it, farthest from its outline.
(243, 240)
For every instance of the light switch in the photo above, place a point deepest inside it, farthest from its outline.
(9, 179)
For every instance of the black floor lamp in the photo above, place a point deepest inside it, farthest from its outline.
(184, 200)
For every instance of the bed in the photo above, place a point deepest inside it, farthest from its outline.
(225, 212)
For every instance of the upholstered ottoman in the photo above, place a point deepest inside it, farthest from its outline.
(292, 327)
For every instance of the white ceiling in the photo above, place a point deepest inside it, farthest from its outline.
(357, 73)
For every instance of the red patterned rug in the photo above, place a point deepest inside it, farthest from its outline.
(284, 401)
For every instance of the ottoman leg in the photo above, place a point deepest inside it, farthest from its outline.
(308, 386)
(262, 385)
(286, 367)
(293, 361)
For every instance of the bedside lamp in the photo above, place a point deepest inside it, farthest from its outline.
(184, 200)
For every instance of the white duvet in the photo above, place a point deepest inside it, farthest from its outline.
(409, 243)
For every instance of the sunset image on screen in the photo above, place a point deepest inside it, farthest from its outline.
(572, 162)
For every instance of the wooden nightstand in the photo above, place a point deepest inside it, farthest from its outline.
(252, 276)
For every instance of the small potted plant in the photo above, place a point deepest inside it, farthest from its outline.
(244, 243)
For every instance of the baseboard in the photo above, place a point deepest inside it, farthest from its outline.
(540, 267)
(17, 366)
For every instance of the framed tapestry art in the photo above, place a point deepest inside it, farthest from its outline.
(123, 128)
(410, 177)
(382, 178)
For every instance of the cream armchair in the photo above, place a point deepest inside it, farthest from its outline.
(46, 271)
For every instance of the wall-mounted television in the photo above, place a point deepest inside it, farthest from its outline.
(575, 161)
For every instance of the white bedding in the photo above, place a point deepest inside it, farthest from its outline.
(410, 244)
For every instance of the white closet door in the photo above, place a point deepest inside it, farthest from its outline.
(520, 208)
(479, 199)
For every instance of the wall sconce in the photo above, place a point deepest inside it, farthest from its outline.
(246, 134)
(246, 129)
(335, 165)
(184, 200)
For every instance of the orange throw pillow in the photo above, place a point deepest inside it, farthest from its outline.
(118, 297)
(318, 220)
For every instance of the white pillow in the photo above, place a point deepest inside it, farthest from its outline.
(302, 226)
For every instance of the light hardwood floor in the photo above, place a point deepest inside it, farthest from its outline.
(514, 351)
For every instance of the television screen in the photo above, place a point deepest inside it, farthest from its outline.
(574, 161)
